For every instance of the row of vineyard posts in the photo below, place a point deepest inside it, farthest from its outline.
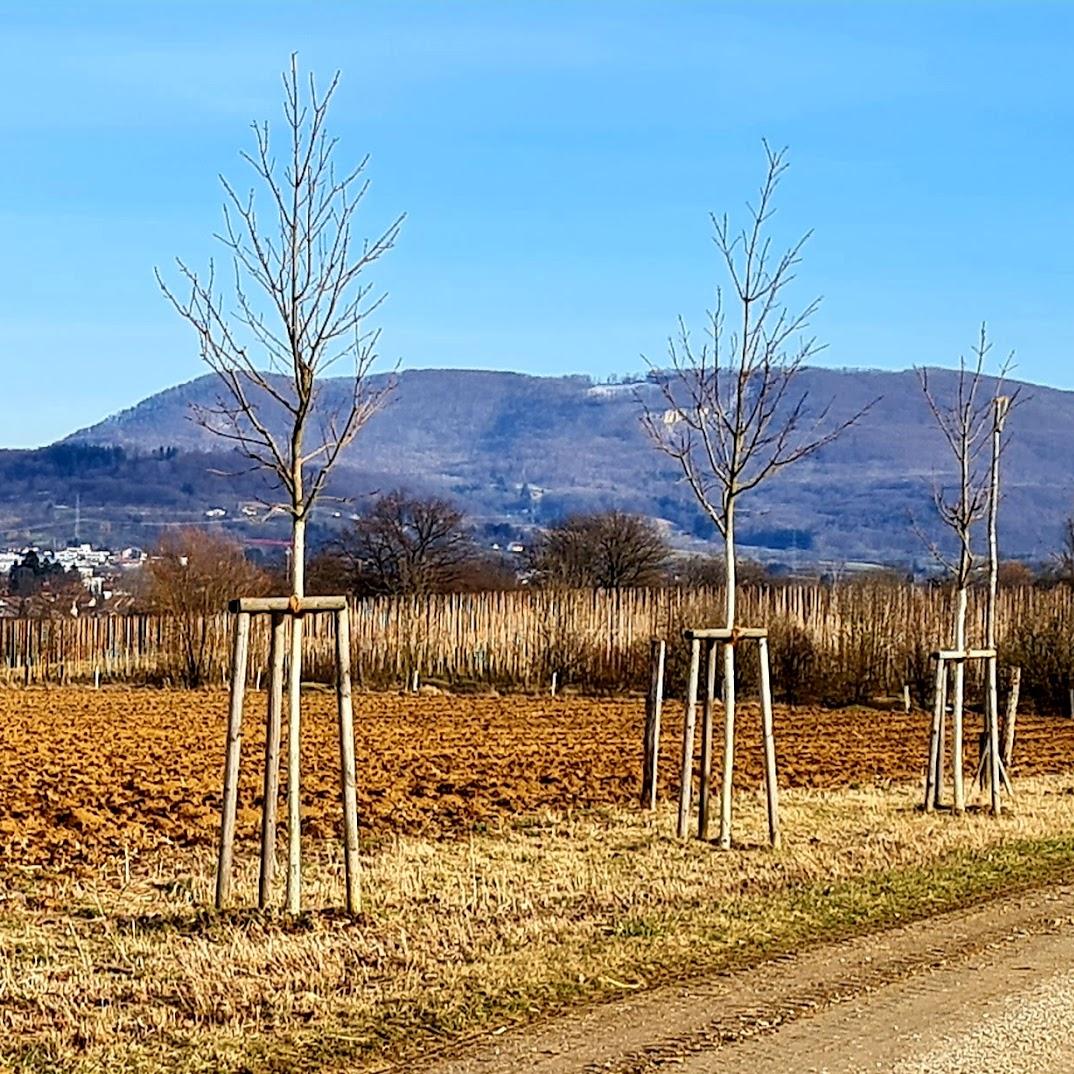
(517, 639)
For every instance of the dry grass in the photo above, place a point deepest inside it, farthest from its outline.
(113, 973)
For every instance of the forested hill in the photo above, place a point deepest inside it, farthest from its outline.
(524, 450)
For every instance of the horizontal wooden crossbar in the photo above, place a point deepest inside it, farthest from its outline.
(723, 634)
(959, 655)
(294, 605)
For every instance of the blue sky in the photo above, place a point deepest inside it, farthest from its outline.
(557, 162)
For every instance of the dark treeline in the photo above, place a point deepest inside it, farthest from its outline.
(411, 545)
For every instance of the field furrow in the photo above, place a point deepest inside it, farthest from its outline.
(88, 775)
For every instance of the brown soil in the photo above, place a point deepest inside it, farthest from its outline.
(86, 775)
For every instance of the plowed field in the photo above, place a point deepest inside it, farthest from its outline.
(88, 775)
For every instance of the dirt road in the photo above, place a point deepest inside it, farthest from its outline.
(987, 989)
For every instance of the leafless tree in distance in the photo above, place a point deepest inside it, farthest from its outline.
(608, 550)
(407, 544)
(707, 571)
(295, 307)
(190, 577)
(732, 415)
(1064, 558)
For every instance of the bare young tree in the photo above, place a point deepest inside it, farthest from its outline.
(610, 550)
(295, 308)
(971, 421)
(732, 415)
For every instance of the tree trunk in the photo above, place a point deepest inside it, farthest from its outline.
(298, 557)
(730, 576)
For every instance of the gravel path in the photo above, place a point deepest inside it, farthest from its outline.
(989, 989)
(1028, 1031)
(1007, 1012)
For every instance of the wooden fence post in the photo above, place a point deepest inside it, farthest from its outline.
(705, 781)
(686, 783)
(935, 739)
(993, 734)
(942, 743)
(728, 743)
(1012, 716)
(240, 652)
(349, 795)
(958, 775)
(654, 702)
(273, 726)
(294, 789)
(771, 784)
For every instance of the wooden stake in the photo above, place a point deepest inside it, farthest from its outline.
(771, 784)
(932, 772)
(1012, 716)
(349, 796)
(294, 790)
(942, 748)
(654, 702)
(240, 652)
(686, 781)
(906, 705)
(728, 744)
(705, 781)
(271, 792)
(1005, 779)
(555, 682)
(993, 735)
(1001, 405)
(958, 783)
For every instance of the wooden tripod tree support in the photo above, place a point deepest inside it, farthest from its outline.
(710, 640)
(280, 609)
(654, 703)
(991, 770)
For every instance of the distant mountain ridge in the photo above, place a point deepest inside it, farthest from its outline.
(522, 450)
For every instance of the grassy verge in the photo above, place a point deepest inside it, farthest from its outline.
(108, 973)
